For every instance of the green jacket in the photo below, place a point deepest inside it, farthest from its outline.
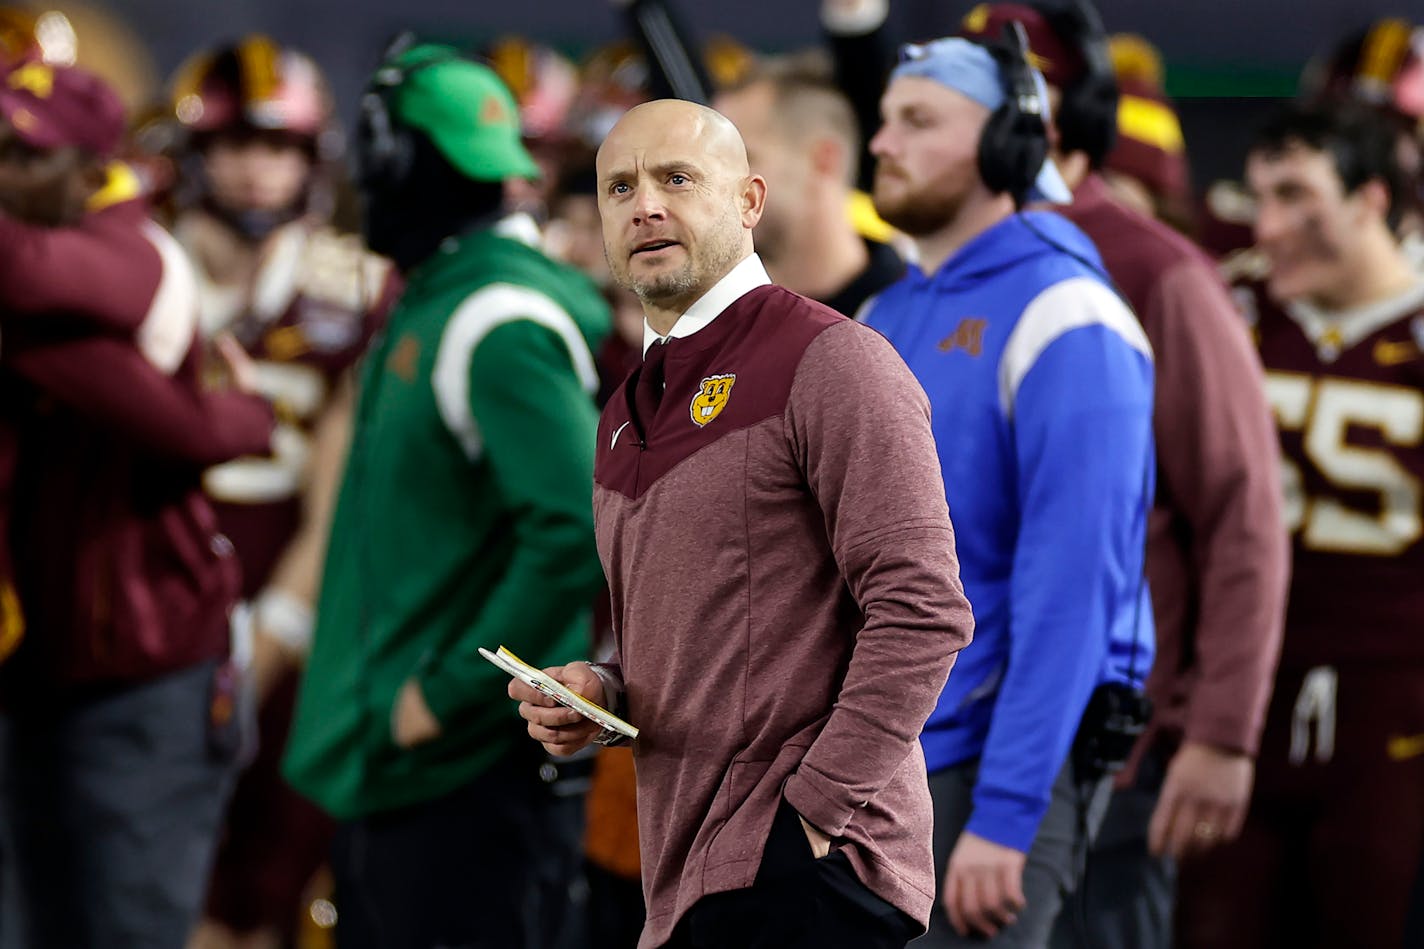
(465, 520)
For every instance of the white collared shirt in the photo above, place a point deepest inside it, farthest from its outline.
(739, 281)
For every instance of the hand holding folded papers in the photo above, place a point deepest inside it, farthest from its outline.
(561, 703)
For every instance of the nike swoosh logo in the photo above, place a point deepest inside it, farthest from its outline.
(1394, 354)
(1404, 747)
(614, 441)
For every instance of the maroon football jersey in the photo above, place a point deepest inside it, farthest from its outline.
(1347, 391)
(306, 316)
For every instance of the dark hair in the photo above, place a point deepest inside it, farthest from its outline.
(1087, 111)
(578, 176)
(1361, 144)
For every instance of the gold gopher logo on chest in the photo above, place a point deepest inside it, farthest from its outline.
(709, 401)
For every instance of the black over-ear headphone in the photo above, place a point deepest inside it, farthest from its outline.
(1015, 140)
(1087, 116)
(384, 150)
(386, 146)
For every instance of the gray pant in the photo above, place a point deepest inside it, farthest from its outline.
(1126, 897)
(1054, 863)
(109, 811)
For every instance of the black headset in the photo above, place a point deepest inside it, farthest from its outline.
(386, 146)
(1014, 144)
(1087, 117)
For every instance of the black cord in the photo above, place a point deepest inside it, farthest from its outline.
(1095, 266)
(1080, 895)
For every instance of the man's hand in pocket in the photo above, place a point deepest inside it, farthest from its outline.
(820, 843)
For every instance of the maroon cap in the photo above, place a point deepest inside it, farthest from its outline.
(1061, 63)
(57, 106)
(1150, 145)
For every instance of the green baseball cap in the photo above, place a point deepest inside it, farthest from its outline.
(464, 108)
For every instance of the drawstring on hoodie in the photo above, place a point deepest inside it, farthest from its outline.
(1315, 703)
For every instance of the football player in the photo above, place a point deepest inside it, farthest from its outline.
(1380, 68)
(117, 740)
(304, 300)
(1333, 837)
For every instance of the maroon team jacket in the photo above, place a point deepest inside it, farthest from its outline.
(104, 431)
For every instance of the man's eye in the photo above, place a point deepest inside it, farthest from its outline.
(619, 187)
(677, 179)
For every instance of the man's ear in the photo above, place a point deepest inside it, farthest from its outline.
(753, 200)
(1374, 197)
(829, 158)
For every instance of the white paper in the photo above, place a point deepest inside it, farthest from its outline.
(557, 691)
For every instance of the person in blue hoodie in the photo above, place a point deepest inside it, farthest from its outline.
(1040, 381)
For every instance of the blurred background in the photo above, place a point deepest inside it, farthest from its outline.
(231, 138)
(1223, 57)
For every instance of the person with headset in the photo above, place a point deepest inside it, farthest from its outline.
(1040, 380)
(1216, 555)
(464, 520)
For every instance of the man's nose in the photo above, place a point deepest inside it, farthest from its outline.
(1268, 222)
(648, 207)
(880, 142)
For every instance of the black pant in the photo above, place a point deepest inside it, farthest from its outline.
(493, 865)
(615, 909)
(796, 902)
(1414, 926)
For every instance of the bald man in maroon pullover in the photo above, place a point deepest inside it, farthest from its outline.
(786, 599)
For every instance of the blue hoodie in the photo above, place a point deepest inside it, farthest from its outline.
(1040, 383)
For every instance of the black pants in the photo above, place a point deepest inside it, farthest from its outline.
(615, 909)
(1414, 926)
(796, 902)
(495, 864)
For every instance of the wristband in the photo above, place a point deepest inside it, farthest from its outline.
(286, 618)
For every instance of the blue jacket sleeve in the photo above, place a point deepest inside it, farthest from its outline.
(1081, 422)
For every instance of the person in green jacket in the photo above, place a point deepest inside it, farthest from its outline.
(464, 520)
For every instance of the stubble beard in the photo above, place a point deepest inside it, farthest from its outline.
(719, 251)
(663, 287)
(919, 211)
